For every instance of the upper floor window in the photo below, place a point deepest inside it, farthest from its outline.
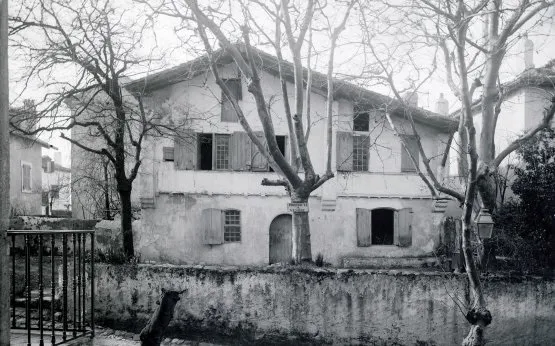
(26, 177)
(210, 151)
(228, 113)
(361, 121)
(411, 147)
(167, 154)
(222, 152)
(353, 152)
(360, 153)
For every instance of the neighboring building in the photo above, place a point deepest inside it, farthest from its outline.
(201, 197)
(25, 174)
(525, 99)
(56, 186)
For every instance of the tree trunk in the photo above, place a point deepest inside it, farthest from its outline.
(106, 193)
(301, 234)
(126, 222)
(479, 317)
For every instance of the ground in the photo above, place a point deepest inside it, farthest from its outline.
(105, 337)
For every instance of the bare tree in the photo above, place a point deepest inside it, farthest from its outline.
(292, 23)
(451, 30)
(99, 44)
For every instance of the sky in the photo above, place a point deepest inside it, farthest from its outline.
(348, 61)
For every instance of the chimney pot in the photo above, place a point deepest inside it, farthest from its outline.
(528, 53)
(442, 105)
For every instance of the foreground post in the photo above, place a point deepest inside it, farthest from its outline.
(4, 179)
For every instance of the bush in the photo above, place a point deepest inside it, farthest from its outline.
(525, 226)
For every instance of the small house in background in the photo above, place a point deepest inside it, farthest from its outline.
(25, 161)
(524, 101)
(200, 192)
(56, 186)
(26, 174)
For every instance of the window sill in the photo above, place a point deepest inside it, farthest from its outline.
(379, 173)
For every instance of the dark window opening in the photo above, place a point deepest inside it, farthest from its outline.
(205, 151)
(361, 121)
(382, 226)
(281, 145)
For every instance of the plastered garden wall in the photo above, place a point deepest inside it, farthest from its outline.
(324, 305)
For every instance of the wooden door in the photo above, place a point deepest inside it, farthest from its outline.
(280, 239)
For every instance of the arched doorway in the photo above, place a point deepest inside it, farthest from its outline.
(280, 239)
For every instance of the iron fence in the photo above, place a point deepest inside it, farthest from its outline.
(44, 304)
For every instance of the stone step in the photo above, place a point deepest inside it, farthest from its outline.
(390, 262)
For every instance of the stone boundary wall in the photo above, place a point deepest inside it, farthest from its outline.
(48, 223)
(316, 306)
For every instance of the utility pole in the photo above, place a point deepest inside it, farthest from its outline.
(4, 178)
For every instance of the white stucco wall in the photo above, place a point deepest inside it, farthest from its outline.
(172, 232)
(198, 101)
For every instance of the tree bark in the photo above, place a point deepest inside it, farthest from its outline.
(302, 251)
(126, 221)
(106, 193)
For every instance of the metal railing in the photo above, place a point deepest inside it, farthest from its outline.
(70, 311)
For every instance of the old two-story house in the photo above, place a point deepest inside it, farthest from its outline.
(201, 194)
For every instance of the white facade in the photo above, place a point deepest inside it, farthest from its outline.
(172, 228)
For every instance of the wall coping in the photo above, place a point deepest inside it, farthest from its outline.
(322, 271)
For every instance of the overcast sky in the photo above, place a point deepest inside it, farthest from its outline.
(347, 58)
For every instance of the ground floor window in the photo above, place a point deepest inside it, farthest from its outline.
(232, 225)
(384, 226)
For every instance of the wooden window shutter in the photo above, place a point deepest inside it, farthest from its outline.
(228, 113)
(344, 156)
(235, 87)
(240, 151)
(213, 226)
(402, 231)
(258, 161)
(412, 147)
(287, 151)
(364, 227)
(167, 154)
(185, 150)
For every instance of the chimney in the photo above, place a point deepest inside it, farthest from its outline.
(528, 53)
(411, 98)
(442, 105)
